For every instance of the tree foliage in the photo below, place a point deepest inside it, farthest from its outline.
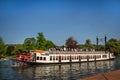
(71, 43)
(113, 45)
(10, 49)
(2, 47)
(82, 47)
(49, 44)
(41, 41)
(18, 48)
(88, 44)
(29, 43)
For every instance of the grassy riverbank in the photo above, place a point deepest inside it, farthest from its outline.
(8, 57)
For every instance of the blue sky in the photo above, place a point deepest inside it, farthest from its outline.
(59, 19)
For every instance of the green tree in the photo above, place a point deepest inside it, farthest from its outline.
(113, 45)
(18, 48)
(10, 49)
(29, 43)
(82, 46)
(88, 44)
(2, 47)
(71, 43)
(41, 41)
(49, 44)
(101, 47)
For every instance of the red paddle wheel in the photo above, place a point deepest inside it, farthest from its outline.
(24, 56)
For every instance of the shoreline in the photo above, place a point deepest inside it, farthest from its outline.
(112, 75)
(7, 58)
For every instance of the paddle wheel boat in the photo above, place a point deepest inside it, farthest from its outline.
(60, 57)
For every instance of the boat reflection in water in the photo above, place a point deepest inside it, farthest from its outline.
(56, 72)
(68, 71)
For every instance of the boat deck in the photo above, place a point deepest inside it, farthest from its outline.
(77, 52)
(113, 75)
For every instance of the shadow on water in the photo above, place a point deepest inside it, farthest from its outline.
(56, 72)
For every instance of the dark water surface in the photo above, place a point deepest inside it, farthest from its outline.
(56, 72)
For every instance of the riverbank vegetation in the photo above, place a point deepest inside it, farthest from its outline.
(40, 42)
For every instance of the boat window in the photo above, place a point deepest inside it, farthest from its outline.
(56, 57)
(53, 57)
(67, 57)
(94, 56)
(104, 56)
(62, 57)
(90, 57)
(44, 58)
(72, 57)
(77, 57)
(37, 58)
(84, 57)
(40, 58)
(98, 56)
(81, 57)
(50, 57)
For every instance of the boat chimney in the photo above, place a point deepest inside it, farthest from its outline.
(105, 43)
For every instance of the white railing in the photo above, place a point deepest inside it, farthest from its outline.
(74, 52)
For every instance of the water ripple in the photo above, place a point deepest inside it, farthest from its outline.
(56, 72)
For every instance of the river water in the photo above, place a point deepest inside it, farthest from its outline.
(72, 71)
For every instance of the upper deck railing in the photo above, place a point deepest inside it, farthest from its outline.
(76, 52)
